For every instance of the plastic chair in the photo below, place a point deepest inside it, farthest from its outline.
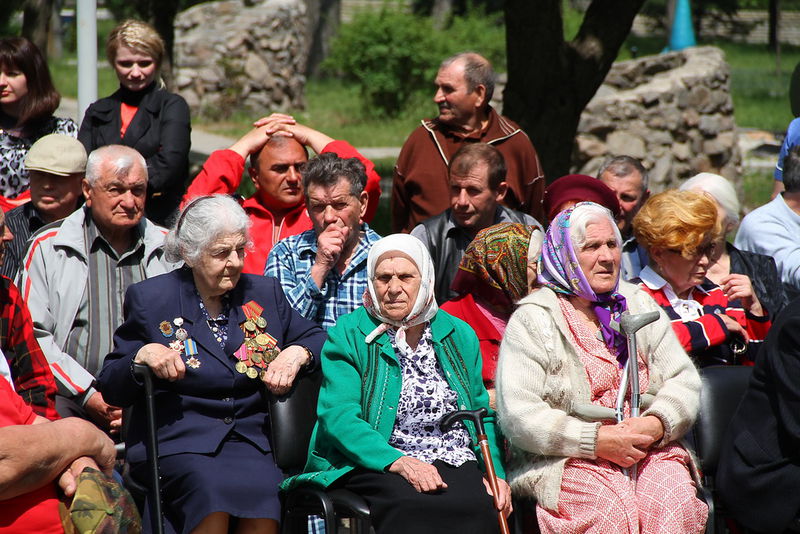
(292, 420)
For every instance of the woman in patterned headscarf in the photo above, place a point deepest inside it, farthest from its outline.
(497, 270)
(393, 368)
(557, 383)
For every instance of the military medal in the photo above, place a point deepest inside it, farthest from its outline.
(176, 344)
(190, 346)
(258, 348)
(181, 334)
(166, 329)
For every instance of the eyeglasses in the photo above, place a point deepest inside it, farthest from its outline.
(704, 250)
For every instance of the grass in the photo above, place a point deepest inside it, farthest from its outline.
(757, 188)
(336, 109)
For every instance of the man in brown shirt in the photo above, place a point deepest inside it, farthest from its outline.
(465, 83)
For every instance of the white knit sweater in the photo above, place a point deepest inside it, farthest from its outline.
(542, 385)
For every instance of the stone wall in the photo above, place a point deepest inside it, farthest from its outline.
(672, 111)
(241, 55)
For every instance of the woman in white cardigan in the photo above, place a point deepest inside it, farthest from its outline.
(557, 380)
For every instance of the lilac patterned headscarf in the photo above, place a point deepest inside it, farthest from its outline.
(562, 274)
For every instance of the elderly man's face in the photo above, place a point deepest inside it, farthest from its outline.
(457, 105)
(117, 203)
(53, 196)
(278, 177)
(336, 205)
(473, 202)
(599, 257)
(630, 194)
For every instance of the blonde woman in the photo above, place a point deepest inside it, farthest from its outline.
(144, 116)
(716, 324)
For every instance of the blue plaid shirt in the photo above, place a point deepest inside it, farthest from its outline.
(290, 261)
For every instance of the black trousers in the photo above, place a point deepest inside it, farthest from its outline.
(396, 507)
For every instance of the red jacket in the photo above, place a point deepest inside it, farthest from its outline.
(222, 174)
(464, 308)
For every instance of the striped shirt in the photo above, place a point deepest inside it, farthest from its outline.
(696, 320)
(290, 261)
(100, 310)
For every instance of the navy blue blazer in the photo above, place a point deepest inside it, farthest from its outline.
(196, 413)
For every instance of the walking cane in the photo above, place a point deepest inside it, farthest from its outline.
(151, 446)
(476, 416)
(630, 324)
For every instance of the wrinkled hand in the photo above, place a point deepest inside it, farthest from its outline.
(98, 449)
(423, 476)
(739, 286)
(649, 425)
(734, 327)
(619, 445)
(282, 370)
(274, 118)
(504, 498)
(165, 362)
(68, 481)
(255, 139)
(330, 244)
(104, 415)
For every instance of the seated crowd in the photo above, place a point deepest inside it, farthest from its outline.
(502, 294)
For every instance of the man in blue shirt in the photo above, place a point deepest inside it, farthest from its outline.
(324, 271)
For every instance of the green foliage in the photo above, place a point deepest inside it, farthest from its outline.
(479, 32)
(392, 56)
(388, 54)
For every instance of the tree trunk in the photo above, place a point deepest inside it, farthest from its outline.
(36, 22)
(774, 22)
(550, 81)
(163, 13)
(440, 12)
(323, 23)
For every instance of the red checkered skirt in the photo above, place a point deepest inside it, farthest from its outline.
(596, 496)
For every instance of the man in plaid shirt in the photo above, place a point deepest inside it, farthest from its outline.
(25, 367)
(324, 271)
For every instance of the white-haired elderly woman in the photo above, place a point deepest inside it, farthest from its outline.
(728, 262)
(557, 382)
(393, 368)
(218, 341)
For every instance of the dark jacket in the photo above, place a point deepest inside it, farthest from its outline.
(196, 413)
(759, 471)
(763, 275)
(160, 131)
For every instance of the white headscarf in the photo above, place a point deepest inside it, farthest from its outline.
(424, 307)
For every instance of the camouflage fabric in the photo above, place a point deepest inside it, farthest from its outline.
(103, 506)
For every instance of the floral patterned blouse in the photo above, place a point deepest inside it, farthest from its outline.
(13, 149)
(425, 398)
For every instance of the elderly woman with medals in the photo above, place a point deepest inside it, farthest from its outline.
(218, 341)
(393, 369)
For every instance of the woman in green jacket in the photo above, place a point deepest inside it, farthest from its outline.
(392, 369)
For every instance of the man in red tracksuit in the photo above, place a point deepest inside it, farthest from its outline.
(277, 148)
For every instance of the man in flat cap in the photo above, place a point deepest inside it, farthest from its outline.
(57, 164)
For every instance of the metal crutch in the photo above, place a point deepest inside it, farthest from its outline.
(476, 416)
(630, 324)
